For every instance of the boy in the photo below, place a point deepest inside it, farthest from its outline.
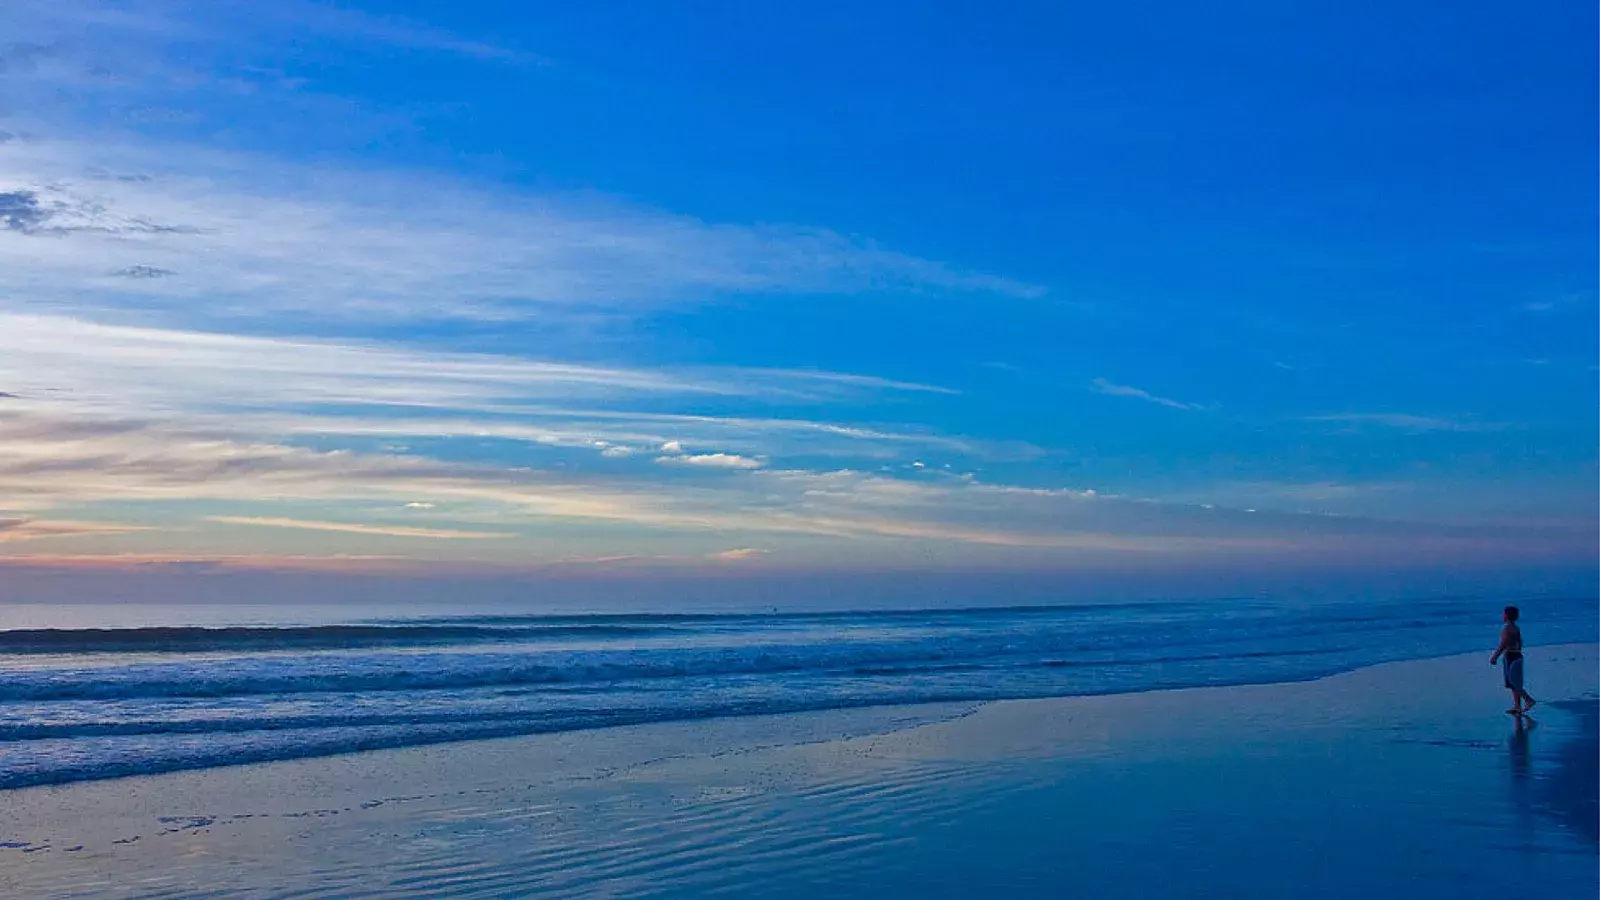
(1511, 648)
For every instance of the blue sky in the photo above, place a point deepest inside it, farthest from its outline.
(726, 290)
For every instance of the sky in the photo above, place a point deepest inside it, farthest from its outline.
(1100, 299)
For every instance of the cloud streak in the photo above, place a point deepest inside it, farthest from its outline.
(1110, 389)
(446, 534)
(276, 388)
(238, 238)
(172, 45)
(27, 528)
(48, 463)
(739, 553)
(1406, 422)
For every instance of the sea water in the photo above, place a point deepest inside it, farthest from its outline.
(94, 692)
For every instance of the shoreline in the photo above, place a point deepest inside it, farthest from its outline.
(869, 792)
(519, 731)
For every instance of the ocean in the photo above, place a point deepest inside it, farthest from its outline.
(91, 692)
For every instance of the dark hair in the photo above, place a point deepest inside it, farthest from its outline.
(1511, 613)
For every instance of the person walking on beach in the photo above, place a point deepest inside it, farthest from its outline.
(1510, 652)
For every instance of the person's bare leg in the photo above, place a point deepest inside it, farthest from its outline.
(1516, 703)
(1527, 701)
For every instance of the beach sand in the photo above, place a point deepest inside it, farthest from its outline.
(1401, 780)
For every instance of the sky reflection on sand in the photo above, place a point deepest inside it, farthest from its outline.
(1398, 781)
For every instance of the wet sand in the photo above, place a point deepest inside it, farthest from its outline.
(1402, 780)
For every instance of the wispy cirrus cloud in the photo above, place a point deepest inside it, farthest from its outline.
(147, 283)
(448, 534)
(277, 388)
(391, 31)
(234, 237)
(153, 46)
(178, 369)
(1560, 302)
(1320, 496)
(1110, 389)
(1406, 422)
(739, 553)
(27, 528)
(171, 227)
(191, 561)
(204, 335)
(47, 463)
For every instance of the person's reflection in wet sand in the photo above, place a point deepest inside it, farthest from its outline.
(1524, 801)
(1521, 752)
(1562, 782)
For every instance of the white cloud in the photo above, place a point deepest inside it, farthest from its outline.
(713, 461)
(1102, 386)
(672, 447)
(357, 528)
(739, 553)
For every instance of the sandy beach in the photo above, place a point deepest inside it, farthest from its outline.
(1398, 780)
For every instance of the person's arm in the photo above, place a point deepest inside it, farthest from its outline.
(1505, 638)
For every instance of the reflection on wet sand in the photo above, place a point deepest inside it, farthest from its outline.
(1521, 751)
(1568, 783)
(1390, 783)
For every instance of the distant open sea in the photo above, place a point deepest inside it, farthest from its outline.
(92, 692)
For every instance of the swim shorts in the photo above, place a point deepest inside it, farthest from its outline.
(1513, 671)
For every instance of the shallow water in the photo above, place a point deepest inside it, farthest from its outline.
(1399, 781)
(88, 694)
